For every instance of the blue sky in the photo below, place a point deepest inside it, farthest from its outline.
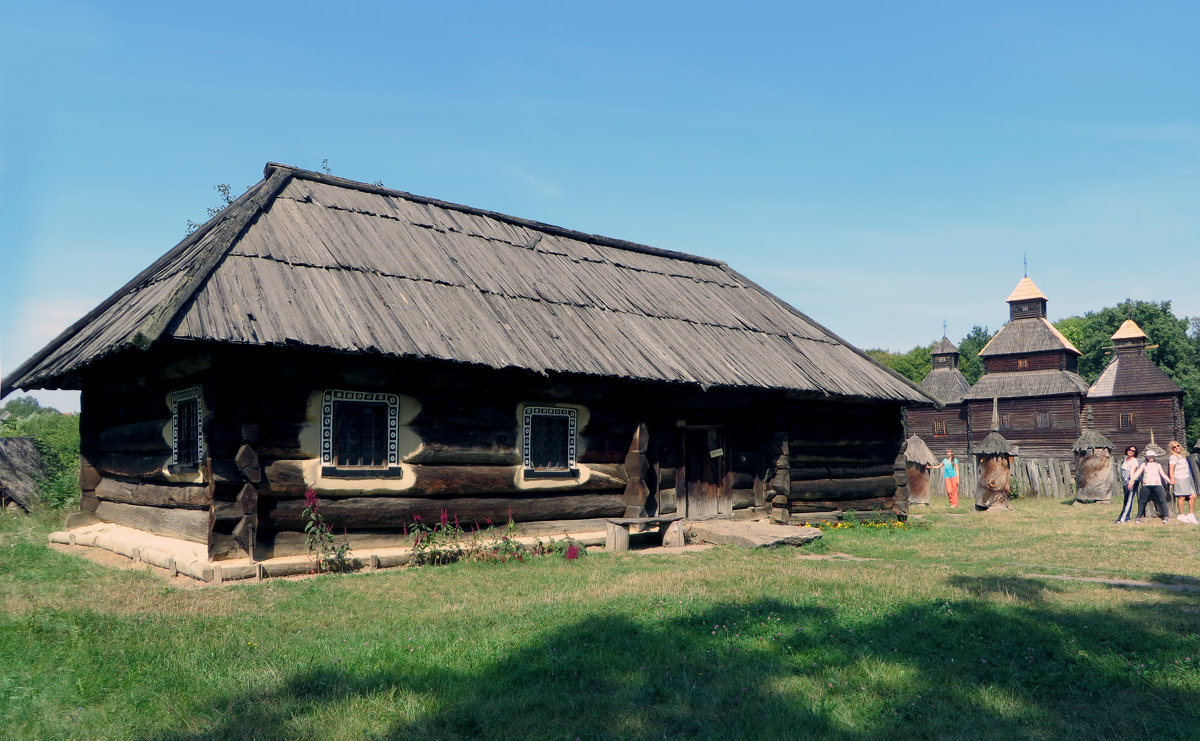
(882, 166)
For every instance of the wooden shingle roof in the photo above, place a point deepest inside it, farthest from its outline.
(1024, 291)
(1023, 384)
(306, 259)
(1035, 334)
(947, 385)
(1132, 374)
(944, 347)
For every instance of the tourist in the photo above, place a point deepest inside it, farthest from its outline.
(950, 477)
(1153, 478)
(1183, 483)
(1129, 482)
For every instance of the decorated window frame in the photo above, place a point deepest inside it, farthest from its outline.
(389, 463)
(187, 428)
(939, 428)
(1126, 421)
(532, 419)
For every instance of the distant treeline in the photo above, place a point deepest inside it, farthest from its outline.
(1177, 354)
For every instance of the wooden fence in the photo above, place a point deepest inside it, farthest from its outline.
(1031, 477)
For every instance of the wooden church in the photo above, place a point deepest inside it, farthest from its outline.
(1133, 397)
(1040, 400)
(405, 357)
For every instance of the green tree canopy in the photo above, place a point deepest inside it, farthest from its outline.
(969, 363)
(1177, 354)
(913, 365)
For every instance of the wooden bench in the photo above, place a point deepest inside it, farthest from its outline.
(618, 529)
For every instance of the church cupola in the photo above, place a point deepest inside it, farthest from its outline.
(1129, 339)
(1026, 301)
(944, 354)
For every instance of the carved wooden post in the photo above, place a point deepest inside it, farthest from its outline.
(636, 466)
(781, 482)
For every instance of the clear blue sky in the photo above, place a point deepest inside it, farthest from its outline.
(880, 165)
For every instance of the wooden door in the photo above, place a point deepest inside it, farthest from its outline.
(708, 486)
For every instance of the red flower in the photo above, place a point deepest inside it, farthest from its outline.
(572, 552)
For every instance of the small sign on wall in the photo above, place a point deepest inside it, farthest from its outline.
(716, 453)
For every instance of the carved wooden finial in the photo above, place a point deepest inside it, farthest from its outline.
(1091, 421)
(995, 414)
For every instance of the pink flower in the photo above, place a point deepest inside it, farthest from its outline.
(572, 552)
(310, 499)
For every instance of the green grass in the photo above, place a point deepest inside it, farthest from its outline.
(942, 632)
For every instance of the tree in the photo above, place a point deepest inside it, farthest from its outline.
(1177, 354)
(913, 365)
(969, 363)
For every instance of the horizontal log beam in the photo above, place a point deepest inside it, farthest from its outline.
(288, 477)
(137, 437)
(842, 488)
(811, 473)
(153, 495)
(129, 466)
(173, 522)
(844, 505)
(395, 513)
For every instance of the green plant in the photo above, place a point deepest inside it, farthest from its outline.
(56, 436)
(1015, 488)
(324, 552)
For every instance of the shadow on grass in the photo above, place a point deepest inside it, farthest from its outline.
(768, 669)
(1024, 589)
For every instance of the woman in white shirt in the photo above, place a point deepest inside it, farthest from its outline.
(1183, 483)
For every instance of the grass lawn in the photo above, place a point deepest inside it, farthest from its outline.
(956, 629)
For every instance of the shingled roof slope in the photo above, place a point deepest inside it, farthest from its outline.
(1021, 384)
(305, 259)
(947, 385)
(1035, 334)
(1132, 374)
(944, 347)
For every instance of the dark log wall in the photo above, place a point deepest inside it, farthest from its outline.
(1163, 415)
(460, 448)
(125, 445)
(920, 421)
(841, 456)
(1042, 427)
(1031, 361)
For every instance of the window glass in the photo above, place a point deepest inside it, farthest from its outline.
(549, 439)
(360, 434)
(187, 439)
(359, 429)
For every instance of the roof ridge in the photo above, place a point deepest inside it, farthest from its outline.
(154, 324)
(560, 231)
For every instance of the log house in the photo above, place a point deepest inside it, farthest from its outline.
(405, 357)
